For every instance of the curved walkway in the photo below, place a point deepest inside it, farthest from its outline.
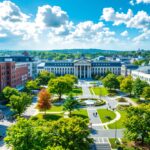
(118, 116)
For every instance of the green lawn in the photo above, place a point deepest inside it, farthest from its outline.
(99, 91)
(106, 115)
(76, 91)
(49, 117)
(55, 109)
(120, 123)
(80, 113)
(113, 143)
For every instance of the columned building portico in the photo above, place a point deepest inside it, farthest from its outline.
(82, 68)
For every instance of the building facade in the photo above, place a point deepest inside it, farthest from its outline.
(143, 73)
(32, 65)
(83, 68)
(13, 74)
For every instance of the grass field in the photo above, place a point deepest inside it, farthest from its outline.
(80, 113)
(99, 91)
(76, 91)
(55, 109)
(120, 123)
(106, 115)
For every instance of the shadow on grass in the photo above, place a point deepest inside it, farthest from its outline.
(79, 115)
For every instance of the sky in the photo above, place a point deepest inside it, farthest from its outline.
(69, 24)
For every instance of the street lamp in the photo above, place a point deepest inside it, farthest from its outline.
(115, 130)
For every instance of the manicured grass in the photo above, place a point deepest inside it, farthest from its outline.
(49, 117)
(106, 115)
(99, 91)
(80, 113)
(135, 99)
(76, 91)
(120, 123)
(113, 143)
(55, 109)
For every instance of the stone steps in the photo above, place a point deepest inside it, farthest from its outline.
(100, 146)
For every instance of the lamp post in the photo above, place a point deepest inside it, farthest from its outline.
(115, 130)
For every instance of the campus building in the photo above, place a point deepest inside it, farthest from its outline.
(143, 73)
(82, 68)
(32, 65)
(13, 74)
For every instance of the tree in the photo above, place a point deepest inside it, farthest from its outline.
(120, 79)
(44, 100)
(44, 77)
(19, 103)
(72, 77)
(126, 85)
(111, 82)
(138, 86)
(146, 92)
(70, 104)
(60, 85)
(138, 123)
(32, 85)
(8, 92)
(66, 133)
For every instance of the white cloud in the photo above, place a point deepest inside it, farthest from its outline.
(142, 1)
(141, 20)
(142, 37)
(124, 33)
(48, 16)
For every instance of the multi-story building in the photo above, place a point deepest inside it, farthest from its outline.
(32, 65)
(82, 68)
(13, 74)
(143, 73)
(127, 69)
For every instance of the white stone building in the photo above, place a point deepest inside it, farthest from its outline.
(83, 68)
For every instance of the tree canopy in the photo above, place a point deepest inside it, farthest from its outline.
(111, 82)
(66, 133)
(60, 85)
(146, 93)
(138, 123)
(44, 100)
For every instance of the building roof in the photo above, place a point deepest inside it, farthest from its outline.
(106, 64)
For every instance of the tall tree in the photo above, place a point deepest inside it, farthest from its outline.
(32, 85)
(111, 82)
(138, 87)
(19, 103)
(146, 93)
(126, 85)
(120, 79)
(60, 85)
(138, 123)
(44, 100)
(8, 92)
(70, 104)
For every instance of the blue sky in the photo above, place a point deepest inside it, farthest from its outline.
(60, 24)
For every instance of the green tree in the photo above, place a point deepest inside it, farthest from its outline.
(120, 78)
(111, 82)
(32, 85)
(126, 85)
(19, 103)
(138, 87)
(138, 123)
(8, 92)
(72, 77)
(66, 133)
(70, 104)
(44, 77)
(60, 85)
(146, 92)
(44, 100)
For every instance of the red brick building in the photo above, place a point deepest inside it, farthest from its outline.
(13, 74)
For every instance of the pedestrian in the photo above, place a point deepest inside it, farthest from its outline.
(96, 113)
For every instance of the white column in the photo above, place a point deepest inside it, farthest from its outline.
(80, 71)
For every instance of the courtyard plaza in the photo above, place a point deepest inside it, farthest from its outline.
(100, 131)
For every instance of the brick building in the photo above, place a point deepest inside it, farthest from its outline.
(13, 74)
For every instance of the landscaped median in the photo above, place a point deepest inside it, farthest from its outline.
(99, 91)
(106, 115)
